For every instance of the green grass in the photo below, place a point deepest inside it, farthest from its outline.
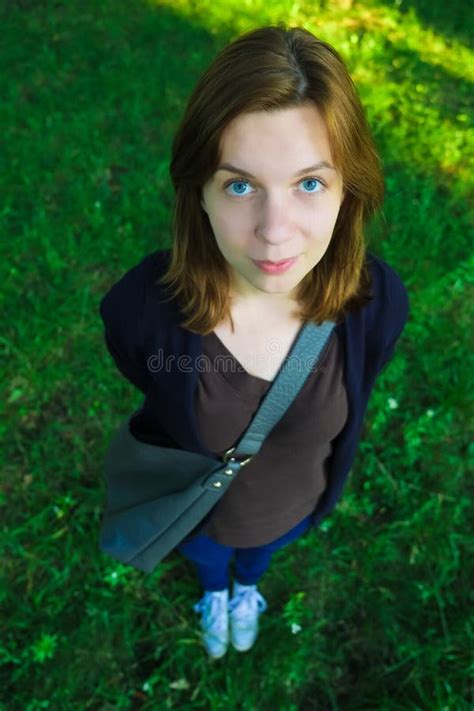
(91, 95)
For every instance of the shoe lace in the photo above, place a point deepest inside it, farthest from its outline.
(215, 608)
(246, 600)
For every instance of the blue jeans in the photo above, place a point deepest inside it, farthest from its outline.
(212, 559)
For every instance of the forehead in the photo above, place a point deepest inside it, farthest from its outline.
(298, 132)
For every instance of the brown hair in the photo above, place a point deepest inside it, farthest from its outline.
(271, 68)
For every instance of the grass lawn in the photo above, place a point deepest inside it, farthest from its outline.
(369, 612)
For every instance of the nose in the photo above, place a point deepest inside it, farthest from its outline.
(274, 221)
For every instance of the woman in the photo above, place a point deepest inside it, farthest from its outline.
(276, 175)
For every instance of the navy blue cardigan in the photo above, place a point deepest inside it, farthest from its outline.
(159, 357)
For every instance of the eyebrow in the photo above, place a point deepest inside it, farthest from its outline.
(233, 169)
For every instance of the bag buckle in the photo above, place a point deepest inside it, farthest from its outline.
(226, 457)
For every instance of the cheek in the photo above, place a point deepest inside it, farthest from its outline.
(325, 220)
(229, 227)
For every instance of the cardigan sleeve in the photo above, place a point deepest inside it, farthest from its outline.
(398, 305)
(121, 310)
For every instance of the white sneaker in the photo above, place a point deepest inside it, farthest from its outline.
(215, 621)
(245, 607)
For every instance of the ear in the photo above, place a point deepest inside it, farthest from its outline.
(203, 205)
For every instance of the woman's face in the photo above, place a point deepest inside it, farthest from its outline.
(274, 196)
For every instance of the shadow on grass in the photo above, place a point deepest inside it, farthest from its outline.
(448, 19)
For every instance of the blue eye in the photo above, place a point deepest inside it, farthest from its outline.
(244, 184)
(237, 182)
(313, 180)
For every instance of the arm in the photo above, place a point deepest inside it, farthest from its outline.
(121, 310)
(130, 368)
(398, 305)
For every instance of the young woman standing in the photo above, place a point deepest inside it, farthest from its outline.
(276, 176)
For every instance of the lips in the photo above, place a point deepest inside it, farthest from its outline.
(267, 261)
(282, 261)
(276, 267)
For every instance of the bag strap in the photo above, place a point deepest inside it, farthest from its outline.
(299, 363)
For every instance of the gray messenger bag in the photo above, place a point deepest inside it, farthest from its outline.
(155, 496)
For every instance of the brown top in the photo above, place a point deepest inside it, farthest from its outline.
(283, 482)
